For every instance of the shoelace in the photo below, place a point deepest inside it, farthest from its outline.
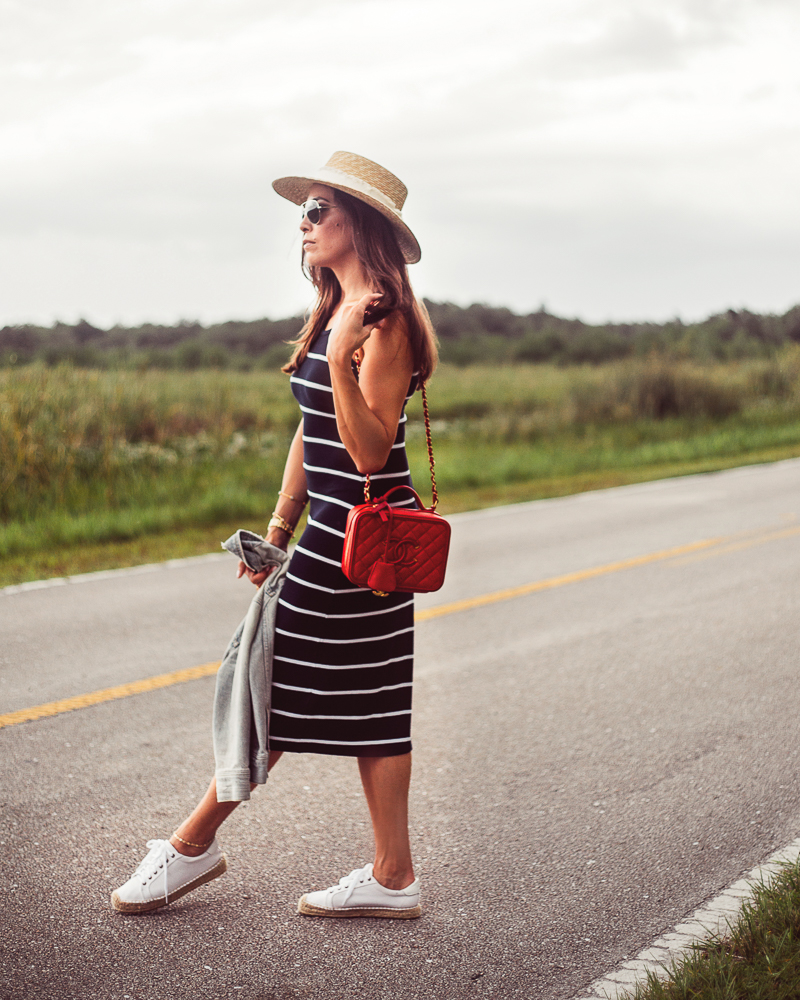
(156, 858)
(349, 882)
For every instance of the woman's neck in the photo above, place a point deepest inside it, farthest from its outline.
(352, 280)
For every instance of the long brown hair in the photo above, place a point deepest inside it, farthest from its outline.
(379, 254)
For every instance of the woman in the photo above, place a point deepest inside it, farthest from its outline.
(343, 656)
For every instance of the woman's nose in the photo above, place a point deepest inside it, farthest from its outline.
(305, 225)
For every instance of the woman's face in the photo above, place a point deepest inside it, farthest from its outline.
(330, 242)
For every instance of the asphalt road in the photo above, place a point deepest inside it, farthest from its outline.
(591, 762)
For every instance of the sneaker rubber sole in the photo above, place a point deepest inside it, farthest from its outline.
(153, 904)
(309, 910)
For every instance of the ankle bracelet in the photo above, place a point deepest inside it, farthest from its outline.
(190, 844)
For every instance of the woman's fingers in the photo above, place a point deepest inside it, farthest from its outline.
(255, 578)
(349, 334)
(372, 301)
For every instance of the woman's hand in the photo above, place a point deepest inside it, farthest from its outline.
(349, 333)
(256, 578)
(275, 536)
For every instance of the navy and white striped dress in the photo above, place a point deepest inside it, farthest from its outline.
(343, 656)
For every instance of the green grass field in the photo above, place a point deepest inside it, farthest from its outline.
(102, 469)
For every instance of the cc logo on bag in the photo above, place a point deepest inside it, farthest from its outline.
(403, 552)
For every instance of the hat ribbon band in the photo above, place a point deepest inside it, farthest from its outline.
(347, 180)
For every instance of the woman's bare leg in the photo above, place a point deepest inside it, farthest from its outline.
(386, 781)
(209, 815)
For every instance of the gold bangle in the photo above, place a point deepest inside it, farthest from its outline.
(290, 497)
(276, 521)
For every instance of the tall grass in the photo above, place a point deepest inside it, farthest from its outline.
(75, 441)
(90, 455)
(653, 388)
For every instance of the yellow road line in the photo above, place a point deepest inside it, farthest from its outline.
(561, 581)
(107, 694)
(716, 544)
(695, 550)
(738, 546)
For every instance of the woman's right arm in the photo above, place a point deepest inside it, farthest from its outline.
(294, 483)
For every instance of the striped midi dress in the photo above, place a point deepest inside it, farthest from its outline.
(343, 662)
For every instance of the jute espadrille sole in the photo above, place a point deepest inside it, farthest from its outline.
(358, 911)
(219, 869)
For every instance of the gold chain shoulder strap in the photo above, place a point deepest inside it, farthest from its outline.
(428, 441)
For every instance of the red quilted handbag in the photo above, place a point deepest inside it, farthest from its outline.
(391, 548)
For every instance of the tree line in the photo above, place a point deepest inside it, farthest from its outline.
(468, 335)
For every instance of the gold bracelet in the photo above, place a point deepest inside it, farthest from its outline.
(290, 497)
(190, 844)
(276, 521)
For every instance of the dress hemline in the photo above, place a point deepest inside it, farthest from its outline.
(337, 750)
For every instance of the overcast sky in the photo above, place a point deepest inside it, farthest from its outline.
(611, 159)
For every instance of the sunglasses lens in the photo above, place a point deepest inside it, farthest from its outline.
(312, 212)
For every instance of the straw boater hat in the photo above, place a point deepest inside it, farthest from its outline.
(365, 180)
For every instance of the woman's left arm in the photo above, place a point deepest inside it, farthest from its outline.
(368, 409)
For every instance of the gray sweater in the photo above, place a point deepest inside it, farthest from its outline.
(242, 697)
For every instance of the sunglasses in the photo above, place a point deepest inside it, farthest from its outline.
(312, 210)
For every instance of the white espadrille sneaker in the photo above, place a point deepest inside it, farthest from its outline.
(359, 894)
(164, 875)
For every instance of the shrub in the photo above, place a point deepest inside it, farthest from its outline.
(475, 350)
(540, 345)
(655, 390)
(596, 346)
